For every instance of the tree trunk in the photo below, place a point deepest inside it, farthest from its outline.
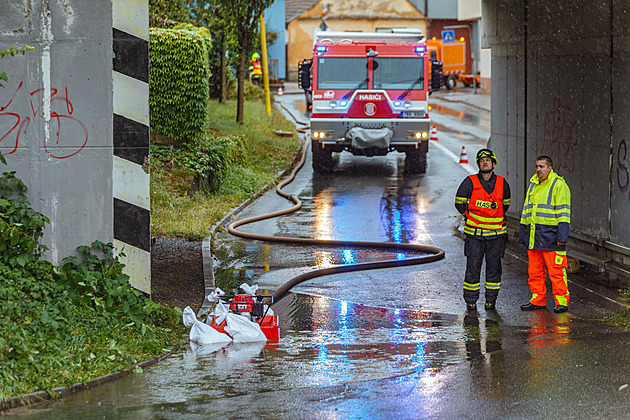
(240, 102)
(223, 93)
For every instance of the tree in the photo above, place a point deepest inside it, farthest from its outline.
(168, 13)
(242, 17)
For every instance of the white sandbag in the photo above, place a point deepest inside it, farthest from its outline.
(201, 333)
(219, 313)
(250, 290)
(215, 294)
(242, 330)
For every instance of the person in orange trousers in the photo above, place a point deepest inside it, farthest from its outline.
(544, 229)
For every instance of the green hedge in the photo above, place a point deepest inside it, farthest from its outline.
(179, 75)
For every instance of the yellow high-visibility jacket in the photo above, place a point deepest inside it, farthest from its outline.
(546, 214)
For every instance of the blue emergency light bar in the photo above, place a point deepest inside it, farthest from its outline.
(321, 48)
(420, 49)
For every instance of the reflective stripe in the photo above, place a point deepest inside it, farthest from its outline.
(552, 207)
(550, 196)
(461, 200)
(484, 232)
(493, 286)
(487, 219)
(468, 286)
(553, 215)
(562, 300)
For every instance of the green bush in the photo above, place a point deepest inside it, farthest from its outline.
(210, 158)
(179, 75)
(252, 92)
(67, 324)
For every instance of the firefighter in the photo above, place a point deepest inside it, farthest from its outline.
(255, 69)
(483, 199)
(544, 230)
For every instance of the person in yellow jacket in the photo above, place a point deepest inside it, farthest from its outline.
(255, 69)
(544, 230)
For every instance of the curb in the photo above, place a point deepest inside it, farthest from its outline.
(206, 247)
(64, 392)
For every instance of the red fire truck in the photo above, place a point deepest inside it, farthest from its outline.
(370, 95)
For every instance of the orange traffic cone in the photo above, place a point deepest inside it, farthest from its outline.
(433, 134)
(463, 157)
(280, 92)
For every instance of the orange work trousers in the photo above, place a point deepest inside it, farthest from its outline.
(552, 262)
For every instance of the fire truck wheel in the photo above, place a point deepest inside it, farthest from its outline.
(451, 82)
(415, 162)
(322, 159)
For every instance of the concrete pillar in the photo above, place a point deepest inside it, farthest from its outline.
(74, 122)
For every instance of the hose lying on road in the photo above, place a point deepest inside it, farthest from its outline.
(434, 253)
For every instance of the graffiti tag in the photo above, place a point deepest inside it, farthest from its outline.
(64, 127)
(560, 137)
(623, 176)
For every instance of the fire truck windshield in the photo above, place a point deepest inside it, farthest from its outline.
(390, 73)
(394, 73)
(339, 73)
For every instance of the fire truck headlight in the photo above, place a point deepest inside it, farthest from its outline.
(418, 135)
(425, 134)
(407, 103)
(332, 103)
(315, 134)
(396, 103)
(343, 103)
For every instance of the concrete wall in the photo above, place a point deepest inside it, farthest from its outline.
(559, 88)
(83, 167)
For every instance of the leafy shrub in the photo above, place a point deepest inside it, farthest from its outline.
(252, 92)
(210, 158)
(62, 325)
(179, 75)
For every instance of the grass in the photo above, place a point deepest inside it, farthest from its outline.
(175, 212)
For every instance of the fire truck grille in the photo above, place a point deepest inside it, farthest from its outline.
(371, 126)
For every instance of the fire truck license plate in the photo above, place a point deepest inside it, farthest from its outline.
(241, 306)
(412, 114)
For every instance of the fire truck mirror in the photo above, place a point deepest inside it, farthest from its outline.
(436, 75)
(304, 69)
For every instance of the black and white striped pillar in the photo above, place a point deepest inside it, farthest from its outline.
(130, 185)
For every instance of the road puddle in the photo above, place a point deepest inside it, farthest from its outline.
(324, 342)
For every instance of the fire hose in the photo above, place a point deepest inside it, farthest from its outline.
(431, 253)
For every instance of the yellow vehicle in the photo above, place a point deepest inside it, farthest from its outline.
(453, 58)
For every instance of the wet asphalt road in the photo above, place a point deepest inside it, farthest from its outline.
(393, 343)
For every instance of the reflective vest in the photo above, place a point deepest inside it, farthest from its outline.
(257, 67)
(547, 205)
(485, 211)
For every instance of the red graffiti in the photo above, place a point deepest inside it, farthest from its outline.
(560, 137)
(64, 127)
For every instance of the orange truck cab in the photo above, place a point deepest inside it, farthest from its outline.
(452, 55)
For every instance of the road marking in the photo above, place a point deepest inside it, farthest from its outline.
(455, 158)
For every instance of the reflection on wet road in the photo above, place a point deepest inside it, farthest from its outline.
(324, 342)
(331, 349)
